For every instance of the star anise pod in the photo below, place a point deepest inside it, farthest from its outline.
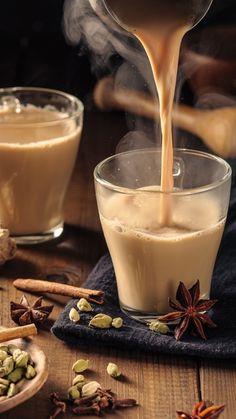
(190, 309)
(203, 410)
(23, 313)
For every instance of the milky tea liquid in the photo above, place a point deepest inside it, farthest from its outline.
(154, 247)
(35, 168)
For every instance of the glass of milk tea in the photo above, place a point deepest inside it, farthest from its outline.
(152, 253)
(39, 137)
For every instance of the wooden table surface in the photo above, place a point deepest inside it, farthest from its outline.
(161, 384)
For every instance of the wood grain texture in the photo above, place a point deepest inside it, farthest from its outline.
(161, 384)
(218, 384)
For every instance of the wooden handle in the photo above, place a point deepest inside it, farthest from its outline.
(40, 286)
(216, 127)
(18, 332)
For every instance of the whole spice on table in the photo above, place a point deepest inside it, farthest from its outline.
(113, 370)
(23, 313)
(90, 388)
(60, 405)
(190, 309)
(88, 398)
(79, 381)
(95, 404)
(39, 286)
(203, 410)
(80, 365)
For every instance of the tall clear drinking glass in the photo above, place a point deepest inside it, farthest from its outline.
(149, 257)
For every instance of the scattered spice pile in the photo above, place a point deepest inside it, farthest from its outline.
(99, 321)
(89, 398)
(95, 404)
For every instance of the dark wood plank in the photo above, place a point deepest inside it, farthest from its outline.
(218, 384)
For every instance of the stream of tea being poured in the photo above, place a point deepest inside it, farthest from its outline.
(160, 26)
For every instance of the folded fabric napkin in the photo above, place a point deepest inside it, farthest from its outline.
(221, 342)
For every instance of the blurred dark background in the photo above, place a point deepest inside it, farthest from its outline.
(34, 51)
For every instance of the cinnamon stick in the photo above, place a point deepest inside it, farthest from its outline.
(18, 332)
(41, 286)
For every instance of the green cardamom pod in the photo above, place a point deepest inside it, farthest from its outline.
(12, 348)
(90, 388)
(22, 359)
(101, 321)
(4, 348)
(159, 327)
(79, 380)
(113, 370)
(16, 353)
(74, 315)
(3, 355)
(4, 381)
(16, 375)
(80, 365)
(117, 322)
(30, 372)
(73, 393)
(84, 305)
(8, 365)
(12, 390)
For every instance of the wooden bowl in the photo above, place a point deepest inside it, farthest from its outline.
(28, 388)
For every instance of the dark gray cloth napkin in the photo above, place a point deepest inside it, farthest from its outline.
(221, 342)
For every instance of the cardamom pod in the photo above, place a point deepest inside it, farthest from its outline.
(113, 370)
(159, 327)
(80, 365)
(4, 381)
(74, 315)
(16, 353)
(78, 380)
(12, 390)
(16, 375)
(84, 305)
(101, 321)
(4, 348)
(90, 388)
(8, 365)
(73, 393)
(3, 355)
(117, 322)
(12, 348)
(22, 359)
(30, 372)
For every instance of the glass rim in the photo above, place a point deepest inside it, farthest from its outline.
(73, 99)
(190, 191)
